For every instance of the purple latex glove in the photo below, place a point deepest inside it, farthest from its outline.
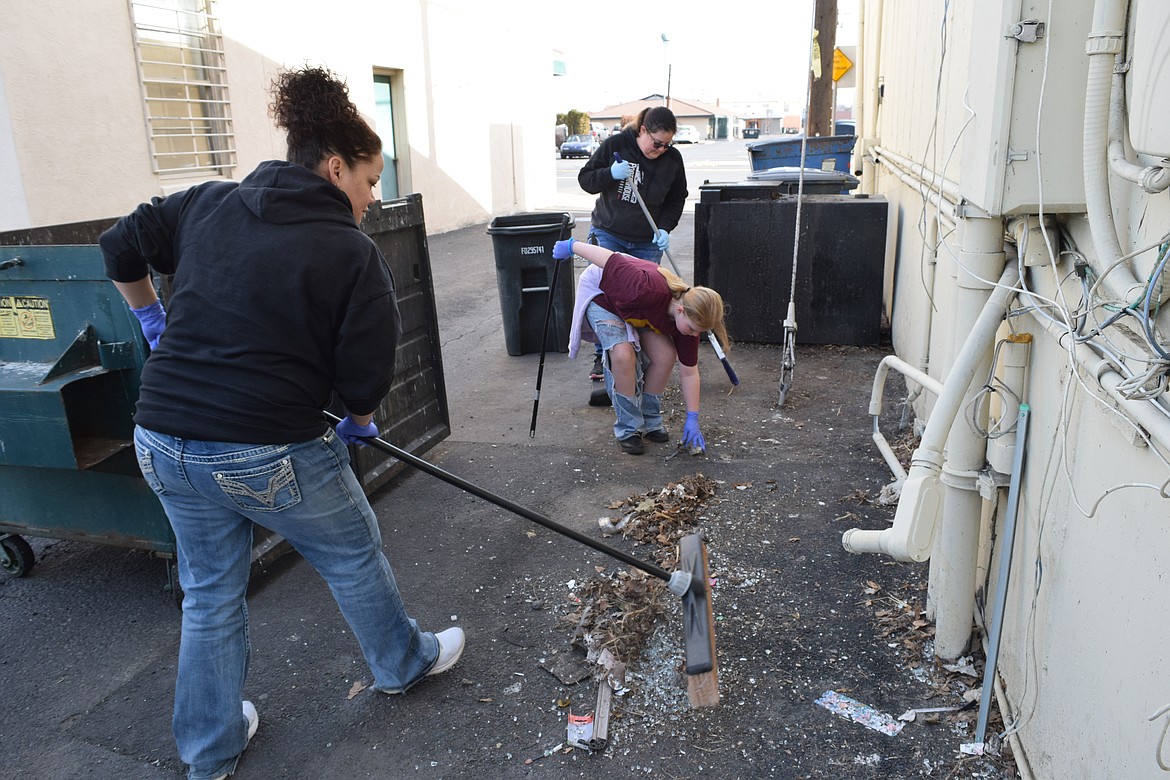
(153, 319)
(563, 250)
(352, 433)
(691, 435)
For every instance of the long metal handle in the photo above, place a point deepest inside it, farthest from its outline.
(544, 345)
(511, 506)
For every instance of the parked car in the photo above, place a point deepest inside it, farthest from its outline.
(751, 132)
(687, 134)
(579, 146)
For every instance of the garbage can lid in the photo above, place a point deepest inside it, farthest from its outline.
(791, 174)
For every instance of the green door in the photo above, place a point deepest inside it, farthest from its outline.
(384, 118)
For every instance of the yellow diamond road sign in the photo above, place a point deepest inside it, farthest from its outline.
(841, 64)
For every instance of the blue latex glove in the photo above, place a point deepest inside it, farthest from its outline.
(351, 433)
(563, 250)
(153, 319)
(691, 435)
(662, 239)
(620, 170)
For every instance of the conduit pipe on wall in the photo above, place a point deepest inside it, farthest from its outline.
(875, 403)
(1104, 44)
(935, 181)
(1155, 423)
(911, 537)
(1153, 178)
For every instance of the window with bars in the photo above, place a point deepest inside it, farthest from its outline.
(184, 86)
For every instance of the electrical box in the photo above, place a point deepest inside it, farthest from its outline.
(1009, 48)
(1149, 78)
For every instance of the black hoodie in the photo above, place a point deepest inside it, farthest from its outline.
(662, 182)
(278, 299)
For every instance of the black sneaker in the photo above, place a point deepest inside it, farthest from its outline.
(632, 445)
(597, 371)
(659, 436)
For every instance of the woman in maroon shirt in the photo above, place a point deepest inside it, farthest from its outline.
(646, 320)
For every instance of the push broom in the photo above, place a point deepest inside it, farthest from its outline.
(689, 581)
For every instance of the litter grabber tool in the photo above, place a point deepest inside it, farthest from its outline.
(689, 581)
(674, 267)
(543, 348)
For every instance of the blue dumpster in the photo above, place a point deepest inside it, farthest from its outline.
(828, 153)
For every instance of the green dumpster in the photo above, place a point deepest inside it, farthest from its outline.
(71, 354)
(70, 358)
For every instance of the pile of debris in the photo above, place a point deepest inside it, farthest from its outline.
(614, 614)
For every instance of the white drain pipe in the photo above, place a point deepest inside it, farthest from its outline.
(955, 557)
(924, 380)
(911, 537)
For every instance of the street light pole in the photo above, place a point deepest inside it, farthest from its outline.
(665, 71)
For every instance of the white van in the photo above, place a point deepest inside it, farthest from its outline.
(598, 130)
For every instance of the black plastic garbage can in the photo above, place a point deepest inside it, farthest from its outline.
(523, 246)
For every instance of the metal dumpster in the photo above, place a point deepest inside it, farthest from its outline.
(71, 354)
(70, 358)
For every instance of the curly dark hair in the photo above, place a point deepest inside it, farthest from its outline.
(314, 107)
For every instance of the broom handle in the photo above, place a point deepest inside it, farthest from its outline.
(515, 508)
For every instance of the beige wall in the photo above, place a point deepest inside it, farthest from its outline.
(1082, 660)
(475, 118)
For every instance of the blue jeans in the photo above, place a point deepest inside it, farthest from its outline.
(647, 250)
(642, 412)
(212, 493)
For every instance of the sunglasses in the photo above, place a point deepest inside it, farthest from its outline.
(659, 144)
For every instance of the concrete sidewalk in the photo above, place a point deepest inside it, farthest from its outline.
(91, 639)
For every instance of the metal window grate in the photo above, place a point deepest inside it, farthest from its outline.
(184, 88)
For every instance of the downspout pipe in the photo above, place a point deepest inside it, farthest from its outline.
(955, 557)
(911, 537)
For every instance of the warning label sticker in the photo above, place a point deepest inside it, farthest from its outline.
(25, 317)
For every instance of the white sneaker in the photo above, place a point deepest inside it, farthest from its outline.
(253, 723)
(253, 720)
(450, 648)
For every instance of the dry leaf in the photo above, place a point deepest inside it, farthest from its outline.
(357, 687)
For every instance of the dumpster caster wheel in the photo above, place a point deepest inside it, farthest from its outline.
(18, 558)
(173, 586)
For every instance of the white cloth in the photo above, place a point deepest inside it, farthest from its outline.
(588, 288)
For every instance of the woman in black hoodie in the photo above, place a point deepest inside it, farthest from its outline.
(278, 302)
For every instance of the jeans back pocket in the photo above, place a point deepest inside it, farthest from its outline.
(268, 488)
(146, 466)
